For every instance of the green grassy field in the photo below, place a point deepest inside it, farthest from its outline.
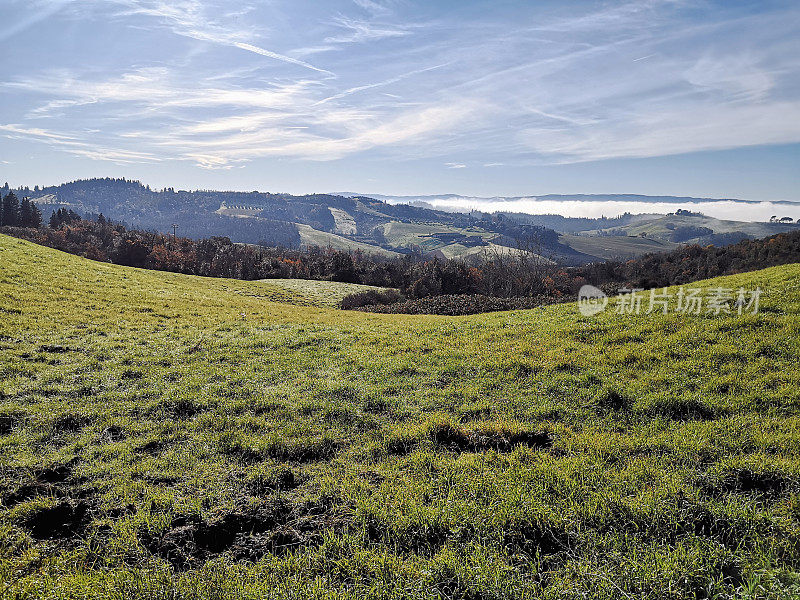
(406, 235)
(317, 293)
(615, 247)
(662, 227)
(169, 436)
(313, 237)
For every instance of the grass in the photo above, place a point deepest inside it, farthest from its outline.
(313, 237)
(489, 251)
(615, 247)
(406, 235)
(662, 227)
(345, 223)
(168, 436)
(319, 293)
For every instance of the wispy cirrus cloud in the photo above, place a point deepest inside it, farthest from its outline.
(360, 30)
(195, 19)
(276, 56)
(13, 130)
(74, 145)
(279, 120)
(377, 84)
(406, 128)
(154, 89)
(378, 9)
(516, 85)
(670, 132)
(738, 76)
(38, 11)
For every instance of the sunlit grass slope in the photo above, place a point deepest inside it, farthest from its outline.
(180, 437)
(319, 293)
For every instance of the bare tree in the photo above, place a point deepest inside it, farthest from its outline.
(516, 271)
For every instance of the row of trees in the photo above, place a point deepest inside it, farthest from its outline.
(496, 275)
(14, 213)
(66, 216)
(692, 263)
(217, 256)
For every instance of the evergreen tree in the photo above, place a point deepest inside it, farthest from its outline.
(63, 216)
(10, 210)
(24, 212)
(36, 216)
(29, 214)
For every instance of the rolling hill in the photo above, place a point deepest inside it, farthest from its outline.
(310, 237)
(253, 217)
(692, 226)
(615, 247)
(661, 233)
(358, 222)
(165, 435)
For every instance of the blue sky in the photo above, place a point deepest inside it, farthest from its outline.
(400, 97)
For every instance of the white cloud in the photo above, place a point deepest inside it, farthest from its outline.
(155, 88)
(647, 134)
(14, 130)
(360, 135)
(195, 19)
(74, 146)
(738, 76)
(39, 11)
(358, 30)
(518, 86)
(384, 83)
(276, 56)
(372, 7)
(281, 120)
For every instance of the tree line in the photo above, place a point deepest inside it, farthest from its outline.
(694, 262)
(519, 274)
(16, 213)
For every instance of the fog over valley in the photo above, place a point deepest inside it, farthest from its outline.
(601, 206)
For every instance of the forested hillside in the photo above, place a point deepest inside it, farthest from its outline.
(374, 226)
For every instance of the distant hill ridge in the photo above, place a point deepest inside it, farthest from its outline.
(381, 225)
